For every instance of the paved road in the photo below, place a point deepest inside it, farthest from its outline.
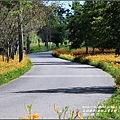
(53, 80)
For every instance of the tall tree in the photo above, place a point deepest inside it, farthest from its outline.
(96, 23)
(75, 26)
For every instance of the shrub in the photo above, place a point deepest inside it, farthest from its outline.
(59, 51)
(67, 57)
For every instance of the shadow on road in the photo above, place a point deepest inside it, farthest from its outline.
(75, 90)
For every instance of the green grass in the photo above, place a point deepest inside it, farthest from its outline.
(34, 47)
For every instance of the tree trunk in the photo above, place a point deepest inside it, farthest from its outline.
(12, 52)
(3, 57)
(28, 44)
(47, 41)
(15, 49)
(86, 50)
(102, 50)
(93, 51)
(8, 54)
(20, 34)
(39, 42)
(57, 44)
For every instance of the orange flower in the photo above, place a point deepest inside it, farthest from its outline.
(33, 116)
(24, 119)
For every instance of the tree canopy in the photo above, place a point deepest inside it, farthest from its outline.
(96, 24)
(20, 17)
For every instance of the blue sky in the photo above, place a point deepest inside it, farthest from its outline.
(64, 4)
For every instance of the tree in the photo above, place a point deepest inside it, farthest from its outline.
(54, 30)
(18, 17)
(75, 26)
(8, 27)
(96, 24)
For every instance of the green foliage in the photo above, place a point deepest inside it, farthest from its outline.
(33, 37)
(118, 79)
(28, 108)
(94, 63)
(70, 58)
(8, 3)
(57, 25)
(95, 23)
(34, 47)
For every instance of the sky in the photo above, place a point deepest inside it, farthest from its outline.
(65, 4)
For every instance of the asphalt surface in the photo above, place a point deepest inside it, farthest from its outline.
(53, 80)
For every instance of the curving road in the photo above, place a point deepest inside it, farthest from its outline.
(53, 80)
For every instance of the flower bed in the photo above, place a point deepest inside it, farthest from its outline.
(13, 69)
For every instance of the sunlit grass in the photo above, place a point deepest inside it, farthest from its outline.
(35, 48)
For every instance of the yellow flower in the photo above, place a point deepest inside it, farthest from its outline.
(116, 86)
(112, 107)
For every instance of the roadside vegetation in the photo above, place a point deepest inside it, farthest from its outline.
(13, 69)
(35, 48)
(108, 62)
